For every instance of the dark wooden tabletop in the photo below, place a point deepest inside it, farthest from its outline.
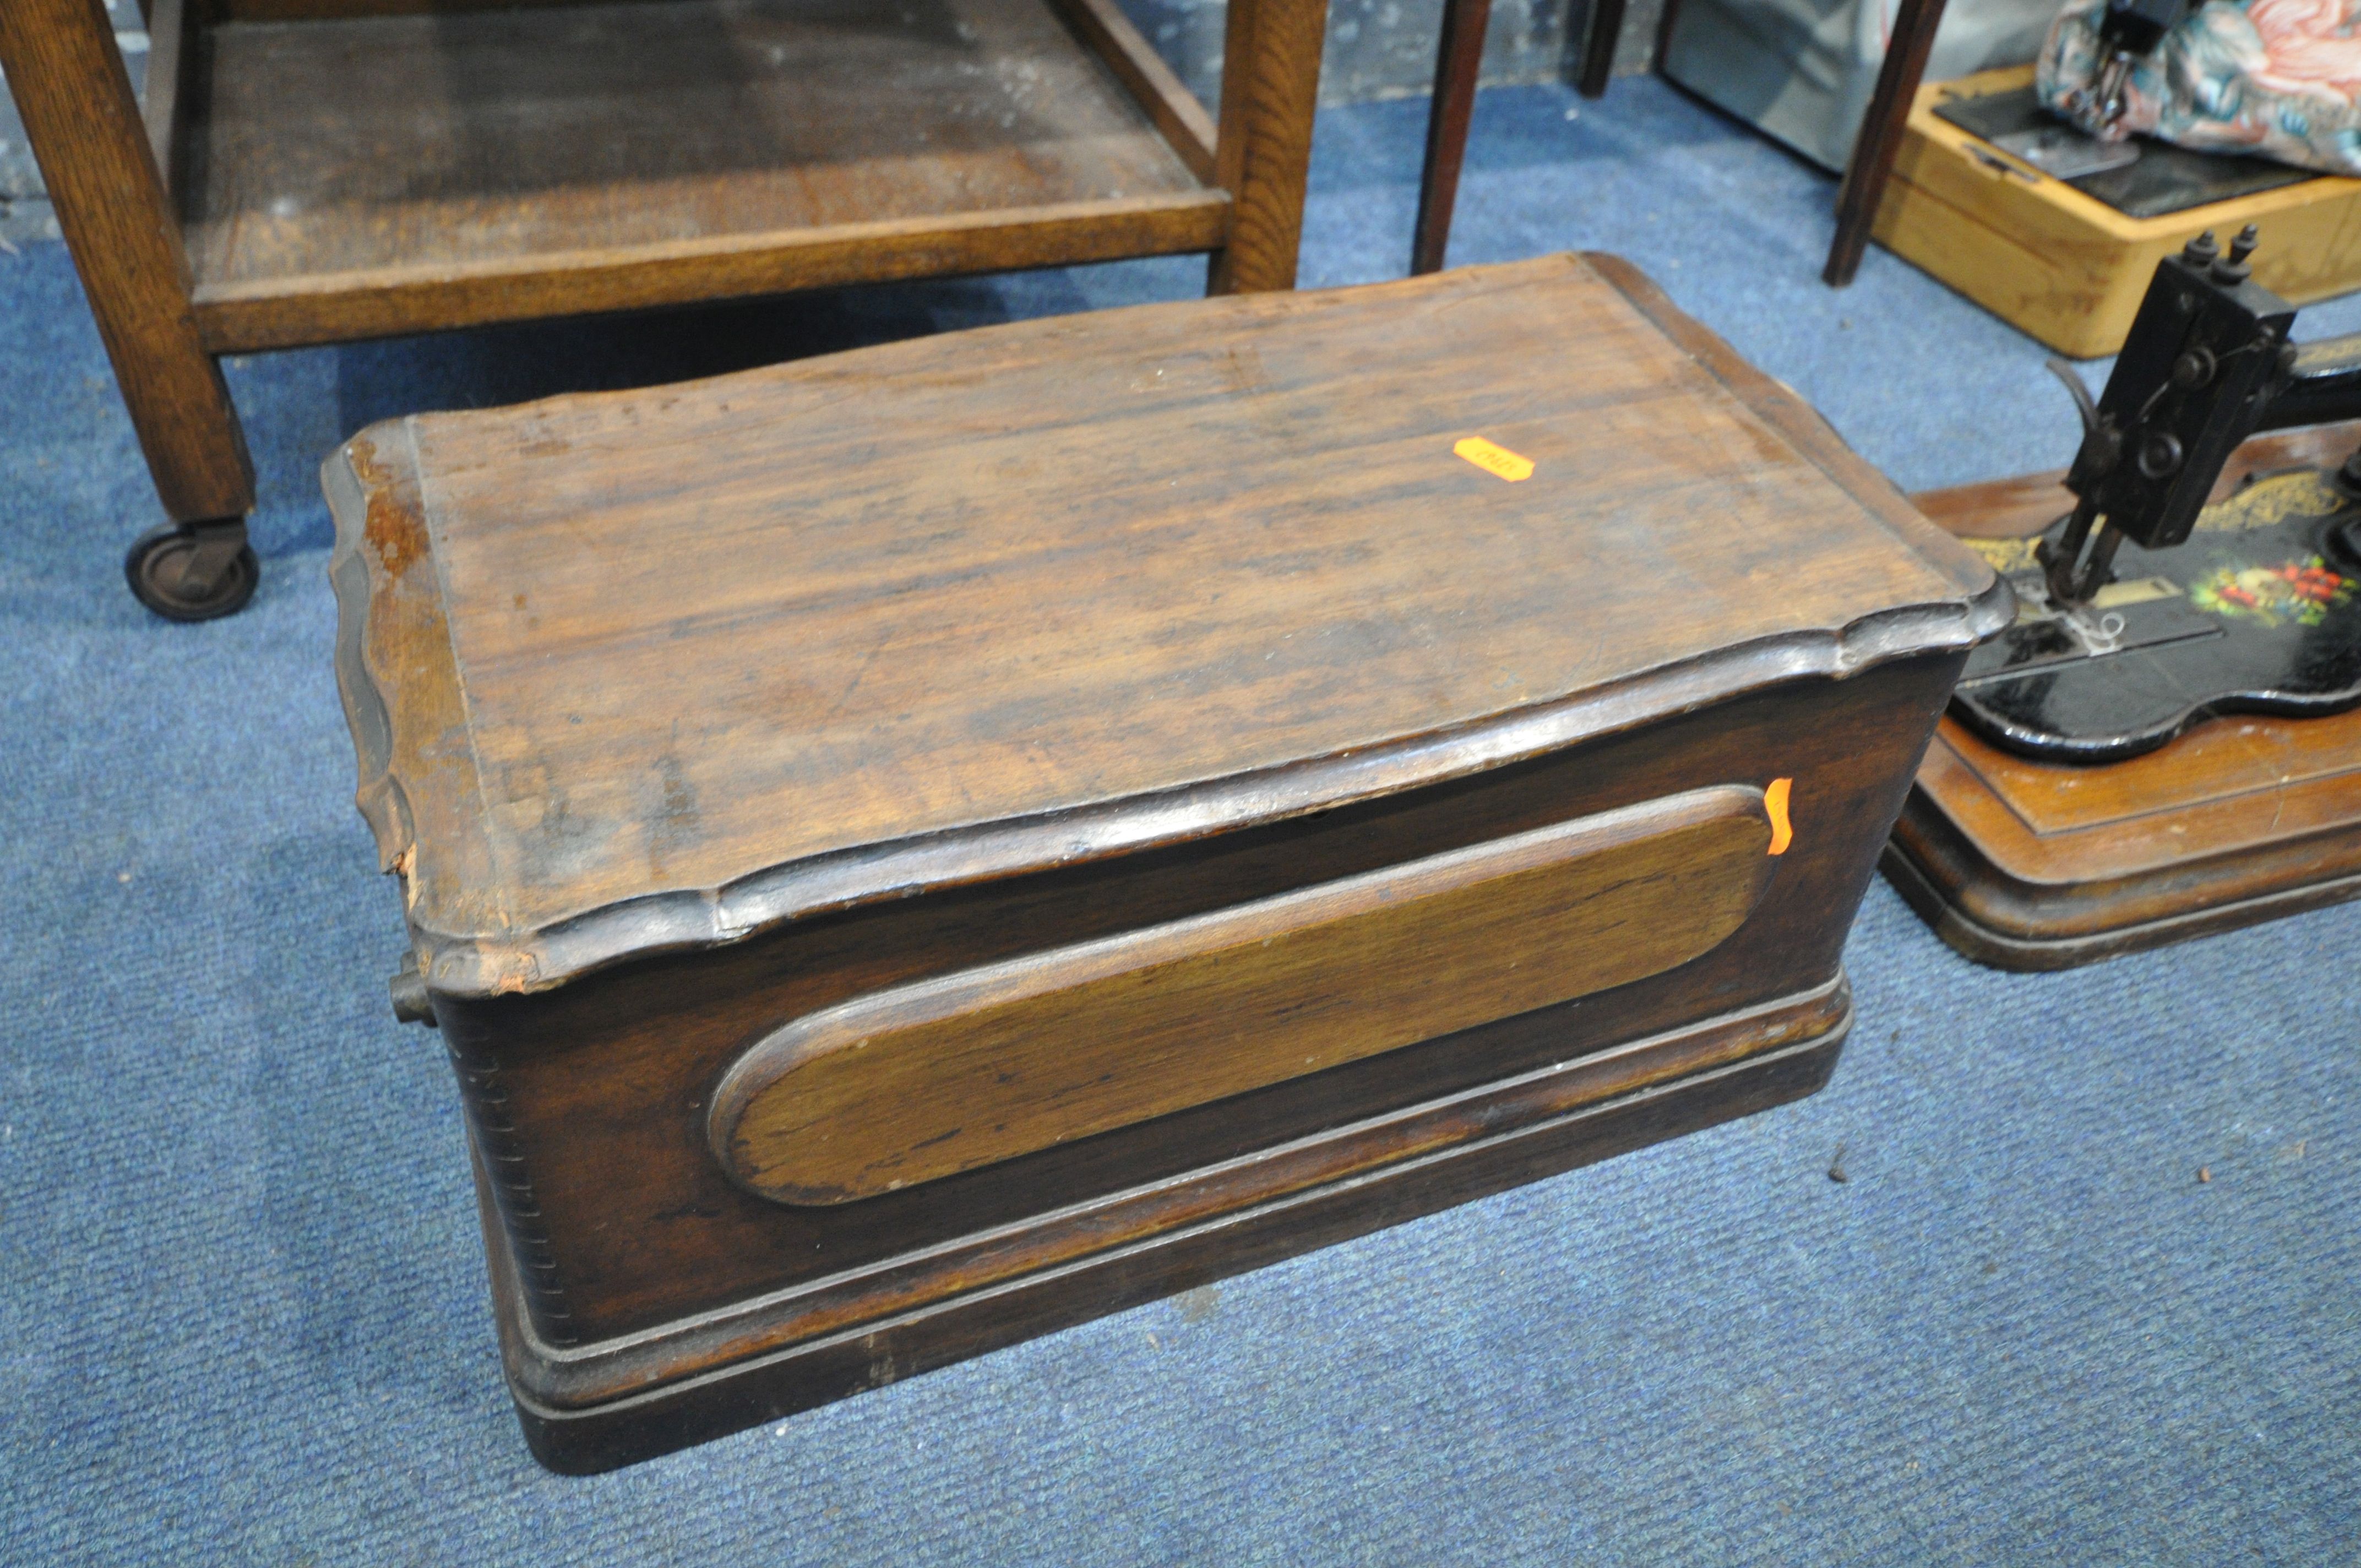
(958, 606)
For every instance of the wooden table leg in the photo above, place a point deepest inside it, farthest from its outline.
(1880, 139)
(1457, 59)
(1270, 87)
(1600, 32)
(85, 130)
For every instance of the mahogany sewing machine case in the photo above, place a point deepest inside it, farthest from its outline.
(919, 847)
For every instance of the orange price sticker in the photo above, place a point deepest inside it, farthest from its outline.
(1494, 458)
(1775, 801)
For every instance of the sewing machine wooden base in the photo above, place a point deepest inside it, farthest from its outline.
(2028, 866)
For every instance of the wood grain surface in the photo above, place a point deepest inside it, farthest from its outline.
(597, 1091)
(654, 153)
(1264, 145)
(1066, 588)
(287, 312)
(1049, 641)
(908, 1085)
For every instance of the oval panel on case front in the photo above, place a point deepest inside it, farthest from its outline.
(967, 1069)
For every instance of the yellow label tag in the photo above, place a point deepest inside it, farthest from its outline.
(1494, 458)
(1774, 805)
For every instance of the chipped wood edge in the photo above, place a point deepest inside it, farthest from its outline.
(376, 475)
(396, 670)
(360, 584)
(482, 964)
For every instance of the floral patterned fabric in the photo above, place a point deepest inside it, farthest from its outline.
(2276, 78)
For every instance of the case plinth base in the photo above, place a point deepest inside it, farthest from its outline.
(714, 1375)
(2028, 866)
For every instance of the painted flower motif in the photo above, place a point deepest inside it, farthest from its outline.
(2302, 592)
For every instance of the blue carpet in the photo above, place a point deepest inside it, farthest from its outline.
(242, 1306)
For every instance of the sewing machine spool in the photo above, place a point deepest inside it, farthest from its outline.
(2226, 802)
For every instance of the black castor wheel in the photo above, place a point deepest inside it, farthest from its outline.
(193, 571)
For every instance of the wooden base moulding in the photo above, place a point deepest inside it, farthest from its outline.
(2025, 866)
(591, 1410)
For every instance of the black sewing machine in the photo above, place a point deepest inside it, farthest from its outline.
(2138, 620)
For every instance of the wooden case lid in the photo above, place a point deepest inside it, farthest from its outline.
(660, 669)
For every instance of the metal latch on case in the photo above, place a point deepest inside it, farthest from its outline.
(411, 1005)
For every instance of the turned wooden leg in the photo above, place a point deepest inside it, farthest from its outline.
(85, 130)
(1457, 59)
(1600, 32)
(1880, 139)
(1270, 87)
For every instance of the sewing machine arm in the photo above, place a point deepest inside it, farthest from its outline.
(2207, 364)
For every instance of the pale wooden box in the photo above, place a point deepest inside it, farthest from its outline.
(2064, 267)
